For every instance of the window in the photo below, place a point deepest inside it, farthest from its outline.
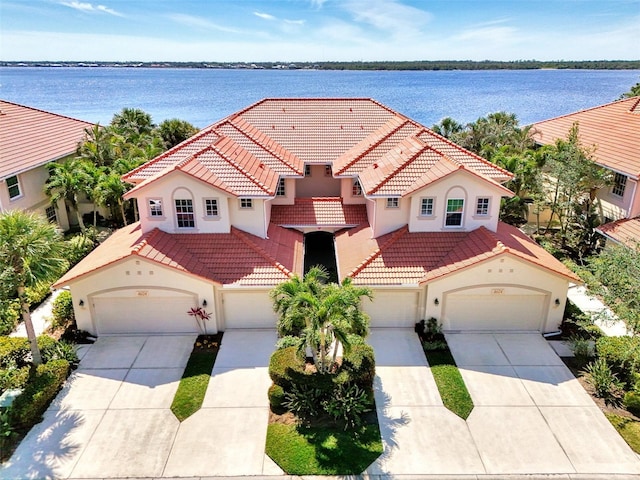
(307, 170)
(184, 213)
(155, 207)
(455, 210)
(426, 207)
(211, 207)
(327, 171)
(51, 214)
(619, 184)
(482, 206)
(246, 203)
(14, 187)
(393, 202)
(356, 188)
(280, 191)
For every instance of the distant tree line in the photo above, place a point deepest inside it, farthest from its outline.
(374, 65)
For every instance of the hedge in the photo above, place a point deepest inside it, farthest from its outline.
(13, 350)
(622, 354)
(27, 409)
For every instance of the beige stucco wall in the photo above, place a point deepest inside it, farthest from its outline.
(459, 185)
(252, 220)
(289, 193)
(503, 273)
(318, 184)
(346, 192)
(141, 274)
(615, 207)
(387, 220)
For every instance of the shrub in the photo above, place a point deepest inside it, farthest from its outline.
(631, 402)
(13, 351)
(42, 387)
(348, 404)
(360, 363)
(603, 380)
(60, 350)
(14, 377)
(276, 397)
(289, 341)
(283, 364)
(80, 245)
(37, 293)
(304, 401)
(622, 354)
(63, 309)
(582, 348)
(9, 316)
(432, 345)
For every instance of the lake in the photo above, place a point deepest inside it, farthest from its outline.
(203, 96)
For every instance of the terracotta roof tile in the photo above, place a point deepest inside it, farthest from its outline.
(401, 258)
(614, 129)
(30, 137)
(625, 231)
(321, 211)
(237, 258)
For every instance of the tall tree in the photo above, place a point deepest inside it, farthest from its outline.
(69, 180)
(109, 191)
(175, 131)
(30, 252)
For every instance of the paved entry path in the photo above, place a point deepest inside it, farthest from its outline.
(531, 415)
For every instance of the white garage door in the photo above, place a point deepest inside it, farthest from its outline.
(392, 309)
(517, 310)
(248, 310)
(130, 311)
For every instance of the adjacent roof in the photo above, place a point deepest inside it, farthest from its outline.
(235, 258)
(613, 128)
(625, 231)
(30, 137)
(319, 211)
(250, 150)
(401, 257)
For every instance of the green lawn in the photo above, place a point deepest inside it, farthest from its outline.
(193, 385)
(628, 428)
(453, 391)
(326, 450)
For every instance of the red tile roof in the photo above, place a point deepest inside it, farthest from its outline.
(236, 258)
(625, 231)
(276, 137)
(318, 211)
(30, 137)
(401, 258)
(613, 128)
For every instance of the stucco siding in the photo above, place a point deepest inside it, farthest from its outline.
(318, 184)
(247, 308)
(389, 219)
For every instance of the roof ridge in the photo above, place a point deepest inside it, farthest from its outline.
(402, 166)
(635, 105)
(172, 150)
(376, 144)
(394, 236)
(50, 113)
(464, 150)
(238, 167)
(621, 100)
(144, 240)
(244, 238)
(255, 140)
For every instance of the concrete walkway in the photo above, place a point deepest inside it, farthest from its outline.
(602, 315)
(40, 317)
(531, 416)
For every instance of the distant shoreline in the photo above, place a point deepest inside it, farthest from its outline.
(368, 66)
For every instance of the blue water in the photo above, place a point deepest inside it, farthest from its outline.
(205, 96)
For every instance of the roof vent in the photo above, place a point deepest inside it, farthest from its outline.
(375, 165)
(293, 127)
(341, 127)
(350, 109)
(262, 165)
(273, 127)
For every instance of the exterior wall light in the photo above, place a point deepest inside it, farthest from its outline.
(436, 302)
(204, 303)
(81, 303)
(557, 302)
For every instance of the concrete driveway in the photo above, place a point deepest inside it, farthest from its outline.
(531, 415)
(112, 418)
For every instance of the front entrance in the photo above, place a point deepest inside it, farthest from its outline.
(319, 249)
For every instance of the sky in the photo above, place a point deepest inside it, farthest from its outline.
(318, 30)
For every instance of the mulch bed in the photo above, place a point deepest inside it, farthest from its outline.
(207, 343)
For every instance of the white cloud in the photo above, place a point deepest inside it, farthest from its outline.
(264, 16)
(487, 34)
(202, 23)
(389, 15)
(90, 8)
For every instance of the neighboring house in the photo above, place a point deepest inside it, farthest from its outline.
(613, 130)
(237, 208)
(29, 140)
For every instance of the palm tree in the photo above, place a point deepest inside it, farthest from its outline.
(109, 191)
(68, 180)
(30, 252)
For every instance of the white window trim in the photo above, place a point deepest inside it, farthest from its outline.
(17, 184)
(55, 214)
(193, 214)
(624, 186)
(433, 208)
(483, 215)
(390, 200)
(446, 213)
(206, 216)
(150, 216)
(250, 200)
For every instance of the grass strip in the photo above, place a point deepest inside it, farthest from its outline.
(453, 391)
(326, 450)
(193, 385)
(628, 428)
